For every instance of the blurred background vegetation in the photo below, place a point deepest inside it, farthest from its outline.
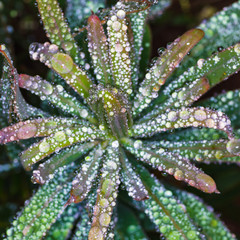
(20, 26)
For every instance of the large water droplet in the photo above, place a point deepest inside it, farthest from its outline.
(27, 131)
(233, 146)
(62, 63)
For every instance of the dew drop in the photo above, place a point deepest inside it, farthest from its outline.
(205, 183)
(67, 46)
(60, 136)
(95, 233)
(47, 88)
(200, 115)
(237, 48)
(62, 63)
(27, 131)
(233, 146)
(44, 147)
(104, 219)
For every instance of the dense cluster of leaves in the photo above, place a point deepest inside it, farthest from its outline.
(114, 122)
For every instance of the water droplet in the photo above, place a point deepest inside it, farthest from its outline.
(44, 146)
(233, 146)
(205, 183)
(60, 136)
(62, 63)
(237, 48)
(104, 219)
(27, 131)
(200, 115)
(47, 88)
(95, 233)
(67, 46)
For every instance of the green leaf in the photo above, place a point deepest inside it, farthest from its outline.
(206, 74)
(165, 210)
(57, 28)
(137, 25)
(131, 180)
(63, 65)
(56, 95)
(57, 141)
(107, 194)
(83, 181)
(61, 229)
(163, 67)
(42, 210)
(119, 49)
(175, 165)
(182, 118)
(203, 217)
(228, 103)
(128, 226)
(202, 151)
(47, 169)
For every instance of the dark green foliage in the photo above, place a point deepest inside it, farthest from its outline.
(115, 119)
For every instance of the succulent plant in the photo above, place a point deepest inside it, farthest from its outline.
(110, 120)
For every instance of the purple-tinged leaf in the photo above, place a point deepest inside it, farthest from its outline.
(57, 28)
(83, 181)
(37, 128)
(14, 106)
(98, 48)
(55, 94)
(182, 118)
(48, 169)
(63, 65)
(179, 167)
(163, 67)
(131, 180)
(57, 141)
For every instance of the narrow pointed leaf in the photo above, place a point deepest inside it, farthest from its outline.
(163, 67)
(98, 47)
(56, 95)
(228, 103)
(13, 105)
(202, 151)
(63, 65)
(107, 193)
(179, 167)
(47, 169)
(165, 211)
(210, 72)
(203, 216)
(131, 180)
(57, 28)
(119, 48)
(62, 228)
(42, 210)
(84, 180)
(57, 141)
(83, 225)
(112, 110)
(182, 118)
(137, 26)
(39, 127)
(128, 226)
